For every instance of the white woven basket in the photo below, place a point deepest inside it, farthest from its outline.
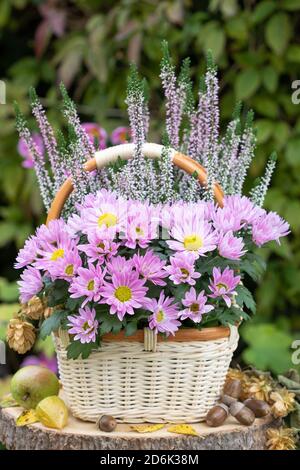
(177, 382)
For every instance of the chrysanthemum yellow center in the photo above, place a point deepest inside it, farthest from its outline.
(107, 219)
(101, 245)
(184, 272)
(59, 253)
(69, 270)
(221, 284)
(91, 285)
(123, 293)
(85, 326)
(139, 231)
(160, 316)
(194, 308)
(192, 242)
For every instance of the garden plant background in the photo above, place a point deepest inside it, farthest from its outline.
(88, 44)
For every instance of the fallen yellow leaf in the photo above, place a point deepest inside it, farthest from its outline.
(7, 401)
(183, 429)
(27, 417)
(146, 427)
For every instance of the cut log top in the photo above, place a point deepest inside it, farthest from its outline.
(79, 435)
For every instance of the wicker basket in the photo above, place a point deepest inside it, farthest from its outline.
(142, 377)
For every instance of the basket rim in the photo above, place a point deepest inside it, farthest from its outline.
(182, 335)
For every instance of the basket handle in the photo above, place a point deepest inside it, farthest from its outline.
(125, 151)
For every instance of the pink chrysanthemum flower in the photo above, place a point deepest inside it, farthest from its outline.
(95, 133)
(141, 226)
(196, 306)
(192, 234)
(120, 135)
(182, 268)
(31, 284)
(28, 254)
(124, 293)
(223, 284)
(150, 267)
(243, 207)
(108, 215)
(165, 314)
(269, 227)
(53, 233)
(231, 247)
(119, 264)
(25, 152)
(84, 326)
(54, 244)
(226, 219)
(171, 214)
(65, 267)
(74, 225)
(87, 284)
(99, 248)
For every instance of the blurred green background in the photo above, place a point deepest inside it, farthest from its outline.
(89, 44)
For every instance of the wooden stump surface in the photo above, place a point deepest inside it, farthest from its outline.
(79, 435)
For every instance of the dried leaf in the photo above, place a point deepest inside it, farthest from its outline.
(27, 417)
(146, 427)
(8, 402)
(183, 429)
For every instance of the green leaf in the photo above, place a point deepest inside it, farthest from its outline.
(213, 38)
(109, 323)
(266, 106)
(270, 78)
(247, 83)
(292, 152)
(244, 297)
(130, 328)
(76, 349)
(253, 265)
(262, 11)
(293, 53)
(236, 28)
(52, 323)
(264, 130)
(290, 5)
(268, 347)
(278, 32)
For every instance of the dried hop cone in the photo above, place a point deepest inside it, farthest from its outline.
(34, 309)
(281, 439)
(20, 335)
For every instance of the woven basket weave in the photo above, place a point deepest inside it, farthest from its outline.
(179, 382)
(141, 378)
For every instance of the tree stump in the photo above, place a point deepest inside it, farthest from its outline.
(79, 435)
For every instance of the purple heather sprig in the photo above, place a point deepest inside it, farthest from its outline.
(43, 177)
(49, 139)
(24, 151)
(258, 193)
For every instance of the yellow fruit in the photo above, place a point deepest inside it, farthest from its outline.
(52, 412)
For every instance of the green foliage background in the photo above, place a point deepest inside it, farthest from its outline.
(89, 44)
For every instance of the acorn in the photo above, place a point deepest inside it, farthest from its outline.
(107, 423)
(227, 400)
(259, 407)
(217, 415)
(241, 413)
(233, 388)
